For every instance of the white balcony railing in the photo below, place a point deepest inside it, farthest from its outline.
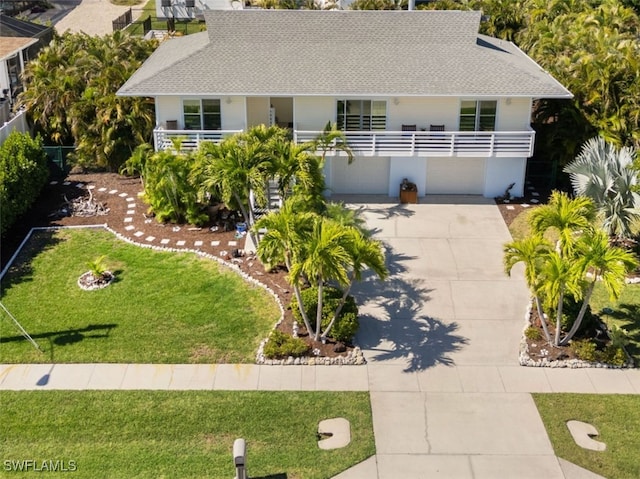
(387, 143)
(188, 139)
(432, 143)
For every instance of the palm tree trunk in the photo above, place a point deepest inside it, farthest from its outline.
(303, 312)
(338, 309)
(247, 220)
(543, 321)
(581, 313)
(319, 310)
(559, 318)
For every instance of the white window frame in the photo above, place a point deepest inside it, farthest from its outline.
(477, 115)
(201, 113)
(365, 122)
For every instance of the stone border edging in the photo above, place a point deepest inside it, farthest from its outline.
(525, 360)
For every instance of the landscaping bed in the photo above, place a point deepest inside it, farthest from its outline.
(110, 192)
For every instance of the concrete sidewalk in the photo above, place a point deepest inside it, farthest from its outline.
(376, 378)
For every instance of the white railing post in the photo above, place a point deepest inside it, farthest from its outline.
(373, 143)
(491, 144)
(452, 145)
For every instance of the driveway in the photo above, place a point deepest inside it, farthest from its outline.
(441, 337)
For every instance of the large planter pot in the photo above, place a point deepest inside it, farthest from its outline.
(407, 196)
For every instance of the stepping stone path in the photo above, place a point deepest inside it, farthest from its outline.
(339, 431)
(583, 433)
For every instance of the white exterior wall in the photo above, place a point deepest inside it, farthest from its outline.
(456, 176)
(501, 172)
(413, 169)
(514, 114)
(232, 111)
(313, 113)
(422, 112)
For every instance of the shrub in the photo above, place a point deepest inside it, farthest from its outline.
(613, 355)
(585, 350)
(169, 190)
(23, 174)
(533, 334)
(281, 345)
(347, 323)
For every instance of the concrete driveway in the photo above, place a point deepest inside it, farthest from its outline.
(441, 338)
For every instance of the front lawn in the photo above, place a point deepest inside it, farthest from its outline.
(162, 307)
(617, 419)
(182, 434)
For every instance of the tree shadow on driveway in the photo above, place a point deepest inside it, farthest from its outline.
(395, 326)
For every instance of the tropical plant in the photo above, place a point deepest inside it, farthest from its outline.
(603, 172)
(597, 260)
(565, 215)
(23, 174)
(98, 267)
(531, 251)
(317, 250)
(135, 165)
(70, 94)
(170, 191)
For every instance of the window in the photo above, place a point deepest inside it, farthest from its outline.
(201, 114)
(362, 115)
(478, 115)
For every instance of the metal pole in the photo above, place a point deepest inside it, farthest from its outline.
(22, 330)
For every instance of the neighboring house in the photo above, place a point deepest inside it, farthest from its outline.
(184, 9)
(420, 94)
(20, 42)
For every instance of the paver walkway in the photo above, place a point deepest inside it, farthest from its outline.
(441, 336)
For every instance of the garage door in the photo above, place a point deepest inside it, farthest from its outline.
(455, 176)
(366, 175)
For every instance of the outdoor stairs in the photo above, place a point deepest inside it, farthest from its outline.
(274, 201)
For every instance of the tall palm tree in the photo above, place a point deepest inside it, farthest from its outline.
(604, 173)
(286, 231)
(324, 257)
(331, 139)
(365, 253)
(531, 251)
(565, 215)
(558, 278)
(596, 257)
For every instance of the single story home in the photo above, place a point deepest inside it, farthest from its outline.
(419, 94)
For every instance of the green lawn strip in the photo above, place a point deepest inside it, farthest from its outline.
(182, 434)
(162, 308)
(624, 313)
(617, 419)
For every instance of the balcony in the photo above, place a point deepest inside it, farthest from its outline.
(435, 144)
(387, 143)
(189, 139)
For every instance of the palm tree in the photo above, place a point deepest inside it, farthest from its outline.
(286, 231)
(364, 253)
(558, 277)
(324, 256)
(331, 139)
(531, 251)
(565, 215)
(601, 261)
(604, 173)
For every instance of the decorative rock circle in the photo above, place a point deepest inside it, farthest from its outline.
(89, 282)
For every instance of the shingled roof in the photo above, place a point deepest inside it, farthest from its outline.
(341, 53)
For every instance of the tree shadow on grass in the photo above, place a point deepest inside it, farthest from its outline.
(65, 337)
(628, 316)
(398, 327)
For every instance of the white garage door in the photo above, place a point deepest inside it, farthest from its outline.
(366, 175)
(455, 176)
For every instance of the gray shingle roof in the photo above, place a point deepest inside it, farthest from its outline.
(338, 53)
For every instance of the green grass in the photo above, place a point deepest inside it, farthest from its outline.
(128, 3)
(617, 419)
(181, 434)
(162, 307)
(624, 313)
(184, 27)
